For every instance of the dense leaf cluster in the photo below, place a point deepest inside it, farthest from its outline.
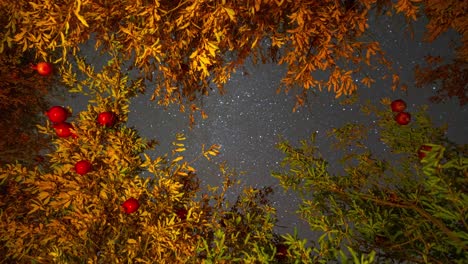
(186, 47)
(408, 210)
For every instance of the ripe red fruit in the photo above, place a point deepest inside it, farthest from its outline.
(398, 105)
(403, 118)
(131, 205)
(63, 130)
(107, 119)
(82, 167)
(43, 68)
(422, 151)
(57, 114)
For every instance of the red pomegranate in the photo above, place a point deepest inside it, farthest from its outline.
(82, 167)
(57, 114)
(403, 118)
(107, 119)
(43, 68)
(422, 151)
(63, 130)
(131, 205)
(398, 105)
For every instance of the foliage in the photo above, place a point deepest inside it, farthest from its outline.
(452, 76)
(23, 99)
(405, 211)
(49, 213)
(186, 47)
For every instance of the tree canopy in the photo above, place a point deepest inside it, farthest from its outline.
(411, 209)
(186, 47)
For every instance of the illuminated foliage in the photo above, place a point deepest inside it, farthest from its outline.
(407, 210)
(450, 78)
(22, 102)
(53, 214)
(410, 211)
(185, 46)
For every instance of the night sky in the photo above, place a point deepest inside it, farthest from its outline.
(247, 120)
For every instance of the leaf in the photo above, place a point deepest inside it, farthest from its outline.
(103, 194)
(367, 81)
(181, 173)
(76, 12)
(230, 13)
(177, 159)
(180, 149)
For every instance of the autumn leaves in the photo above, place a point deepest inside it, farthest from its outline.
(158, 37)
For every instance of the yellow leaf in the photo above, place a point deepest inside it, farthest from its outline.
(35, 208)
(194, 54)
(177, 159)
(77, 14)
(212, 153)
(19, 36)
(190, 169)
(82, 20)
(180, 137)
(257, 5)
(367, 81)
(204, 115)
(230, 13)
(43, 195)
(180, 149)
(181, 173)
(103, 195)
(254, 43)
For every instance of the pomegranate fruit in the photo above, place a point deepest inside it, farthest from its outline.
(82, 167)
(422, 151)
(57, 114)
(63, 130)
(403, 118)
(107, 119)
(398, 105)
(43, 68)
(131, 205)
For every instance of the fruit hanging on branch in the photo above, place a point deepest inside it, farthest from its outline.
(43, 68)
(422, 152)
(398, 105)
(57, 114)
(107, 119)
(131, 205)
(82, 167)
(403, 118)
(63, 130)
